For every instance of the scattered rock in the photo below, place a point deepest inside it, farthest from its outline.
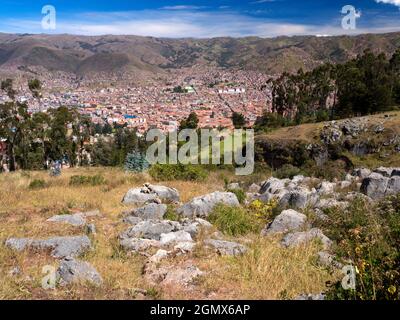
(175, 237)
(326, 188)
(330, 203)
(151, 229)
(328, 260)
(61, 247)
(90, 214)
(150, 192)
(185, 247)
(132, 220)
(160, 255)
(73, 219)
(139, 245)
(315, 297)
(273, 185)
(254, 188)
(298, 238)
(202, 206)
(194, 227)
(386, 172)
(376, 186)
(90, 228)
(74, 271)
(233, 186)
(288, 220)
(226, 247)
(362, 173)
(150, 211)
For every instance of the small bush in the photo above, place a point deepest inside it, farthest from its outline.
(240, 194)
(168, 172)
(87, 180)
(37, 184)
(264, 211)
(171, 214)
(234, 221)
(287, 171)
(370, 237)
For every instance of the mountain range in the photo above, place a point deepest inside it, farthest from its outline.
(82, 55)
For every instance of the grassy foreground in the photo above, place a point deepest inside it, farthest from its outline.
(267, 271)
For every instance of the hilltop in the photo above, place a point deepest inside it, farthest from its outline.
(83, 55)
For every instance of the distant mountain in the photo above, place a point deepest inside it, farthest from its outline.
(82, 55)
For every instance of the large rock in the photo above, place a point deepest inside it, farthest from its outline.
(361, 173)
(73, 271)
(298, 198)
(193, 227)
(202, 206)
(138, 245)
(151, 211)
(273, 185)
(150, 192)
(299, 238)
(254, 188)
(330, 203)
(73, 219)
(175, 237)
(182, 275)
(288, 220)
(151, 229)
(386, 172)
(226, 247)
(375, 186)
(393, 186)
(61, 247)
(326, 188)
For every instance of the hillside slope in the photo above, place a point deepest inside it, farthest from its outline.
(84, 54)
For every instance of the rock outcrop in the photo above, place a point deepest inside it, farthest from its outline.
(202, 206)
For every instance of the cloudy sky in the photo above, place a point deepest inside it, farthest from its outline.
(200, 18)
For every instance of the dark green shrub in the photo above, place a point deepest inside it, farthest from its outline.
(37, 184)
(96, 180)
(168, 172)
(136, 162)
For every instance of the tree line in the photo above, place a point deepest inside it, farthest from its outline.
(367, 84)
(34, 140)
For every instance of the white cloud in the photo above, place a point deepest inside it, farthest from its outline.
(394, 2)
(185, 24)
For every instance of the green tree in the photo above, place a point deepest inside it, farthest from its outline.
(238, 120)
(191, 122)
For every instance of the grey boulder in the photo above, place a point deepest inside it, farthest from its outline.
(151, 229)
(288, 220)
(76, 220)
(226, 247)
(150, 193)
(138, 245)
(150, 211)
(299, 238)
(61, 247)
(202, 206)
(74, 271)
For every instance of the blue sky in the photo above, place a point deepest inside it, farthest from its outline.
(200, 18)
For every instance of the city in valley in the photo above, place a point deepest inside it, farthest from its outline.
(157, 101)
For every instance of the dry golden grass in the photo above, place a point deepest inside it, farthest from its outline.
(309, 131)
(265, 273)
